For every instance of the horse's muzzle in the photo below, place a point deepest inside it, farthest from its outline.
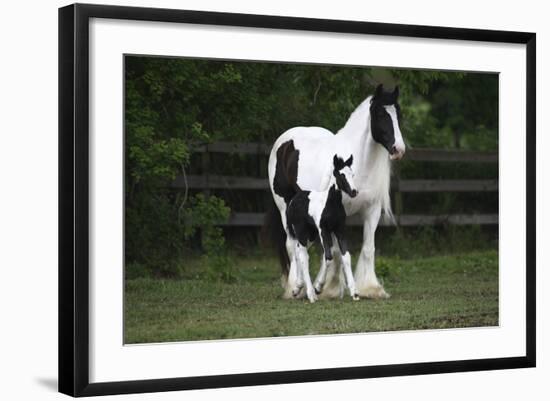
(396, 154)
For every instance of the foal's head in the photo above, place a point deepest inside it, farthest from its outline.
(385, 116)
(343, 175)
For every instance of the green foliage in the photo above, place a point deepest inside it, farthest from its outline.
(153, 235)
(254, 101)
(203, 214)
(452, 110)
(162, 126)
(137, 270)
(173, 105)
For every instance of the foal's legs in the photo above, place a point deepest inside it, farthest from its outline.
(334, 284)
(321, 276)
(303, 265)
(295, 278)
(292, 280)
(326, 244)
(346, 261)
(348, 274)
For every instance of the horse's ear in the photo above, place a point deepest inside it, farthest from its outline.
(349, 162)
(379, 90)
(337, 162)
(395, 93)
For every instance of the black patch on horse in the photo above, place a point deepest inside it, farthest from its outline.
(286, 171)
(341, 181)
(381, 122)
(302, 227)
(300, 223)
(333, 221)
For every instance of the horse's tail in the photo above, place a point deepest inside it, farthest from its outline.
(387, 215)
(273, 228)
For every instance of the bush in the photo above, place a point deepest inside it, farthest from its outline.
(202, 215)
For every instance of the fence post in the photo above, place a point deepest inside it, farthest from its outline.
(262, 173)
(205, 164)
(262, 163)
(398, 196)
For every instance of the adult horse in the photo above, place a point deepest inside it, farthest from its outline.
(301, 158)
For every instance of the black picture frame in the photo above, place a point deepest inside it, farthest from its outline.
(74, 198)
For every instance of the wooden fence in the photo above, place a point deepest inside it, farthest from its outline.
(207, 182)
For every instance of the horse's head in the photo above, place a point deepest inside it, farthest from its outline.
(343, 175)
(385, 116)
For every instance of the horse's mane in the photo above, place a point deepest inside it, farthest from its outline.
(378, 163)
(357, 121)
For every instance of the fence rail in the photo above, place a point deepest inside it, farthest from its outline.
(427, 155)
(207, 182)
(257, 220)
(235, 182)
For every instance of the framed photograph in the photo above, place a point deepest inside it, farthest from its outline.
(252, 199)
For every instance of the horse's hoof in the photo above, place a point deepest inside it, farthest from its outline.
(312, 297)
(318, 289)
(296, 291)
(373, 292)
(355, 297)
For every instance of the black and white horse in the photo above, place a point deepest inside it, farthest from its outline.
(321, 214)
(299, 160)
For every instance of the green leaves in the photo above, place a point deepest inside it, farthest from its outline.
(155, 160)
(204, 213)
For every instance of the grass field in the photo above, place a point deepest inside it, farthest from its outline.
(437, 292)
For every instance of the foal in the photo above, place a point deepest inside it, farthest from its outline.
(312, 214)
